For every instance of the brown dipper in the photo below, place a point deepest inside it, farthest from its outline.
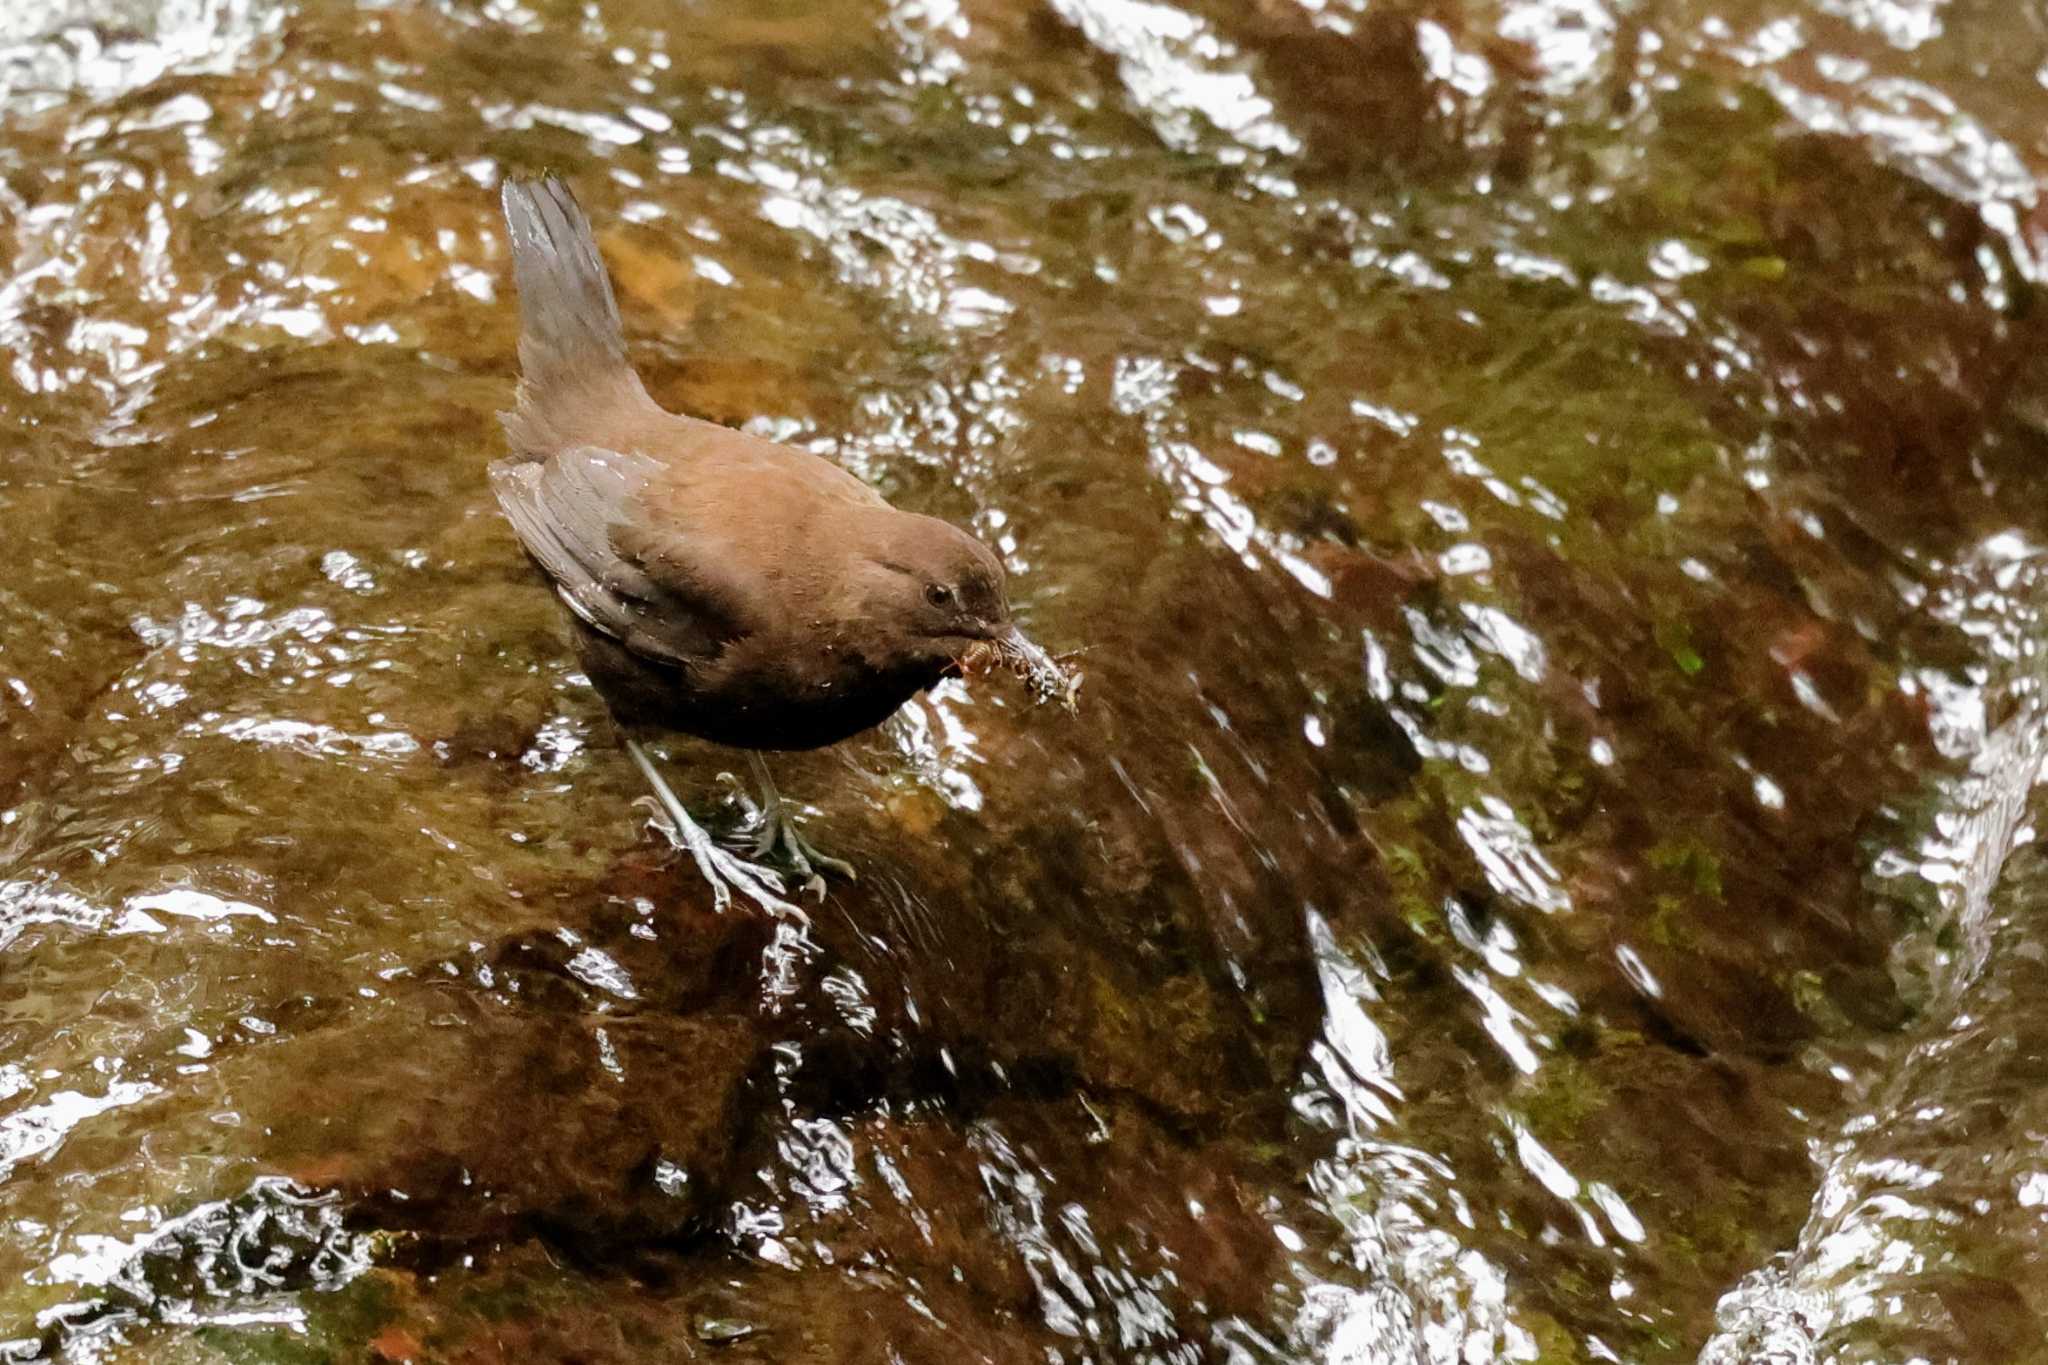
(717, 583)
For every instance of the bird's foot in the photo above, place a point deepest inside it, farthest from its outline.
(780, 833)
(724, 871)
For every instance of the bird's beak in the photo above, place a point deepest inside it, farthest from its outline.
(1012, 650)
(1046, 677)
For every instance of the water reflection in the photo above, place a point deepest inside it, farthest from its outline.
(1168, 59)
(51, 50)
(1428, 1297)
(222, 1264)
(1886, 1225)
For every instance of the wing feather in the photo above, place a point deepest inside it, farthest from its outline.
(579, 515)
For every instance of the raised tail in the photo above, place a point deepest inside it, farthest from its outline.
(572, 351)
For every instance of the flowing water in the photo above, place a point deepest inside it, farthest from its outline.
(1551, 493)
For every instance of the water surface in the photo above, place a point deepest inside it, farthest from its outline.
(1549, 490)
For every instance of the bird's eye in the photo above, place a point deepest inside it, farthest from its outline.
(938, 594)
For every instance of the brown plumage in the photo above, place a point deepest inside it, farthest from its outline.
(718, 583)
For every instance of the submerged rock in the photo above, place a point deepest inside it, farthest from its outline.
(458, 1118)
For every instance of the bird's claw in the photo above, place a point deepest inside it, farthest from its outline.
(780, 834)
(725, 872)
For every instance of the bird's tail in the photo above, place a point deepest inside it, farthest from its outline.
(572, 351)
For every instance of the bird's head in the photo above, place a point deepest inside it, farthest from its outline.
(938, 596)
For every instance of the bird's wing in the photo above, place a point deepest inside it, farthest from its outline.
(579, 515)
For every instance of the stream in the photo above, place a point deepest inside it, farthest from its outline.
(1550, 498)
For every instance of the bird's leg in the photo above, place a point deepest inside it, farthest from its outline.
(779, 831)
(720, 868)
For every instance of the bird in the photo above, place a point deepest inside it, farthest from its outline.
(716, 583)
